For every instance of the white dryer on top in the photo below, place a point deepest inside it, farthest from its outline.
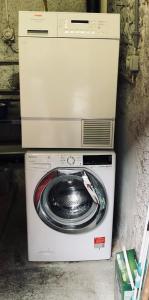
(68, 79)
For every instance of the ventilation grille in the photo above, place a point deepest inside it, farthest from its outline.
(97, 133)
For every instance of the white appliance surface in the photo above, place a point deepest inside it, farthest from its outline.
(90, 241)
(68, 78)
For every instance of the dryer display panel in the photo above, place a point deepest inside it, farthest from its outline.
(71, 200)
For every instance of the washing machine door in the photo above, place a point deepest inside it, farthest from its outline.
(70, 200)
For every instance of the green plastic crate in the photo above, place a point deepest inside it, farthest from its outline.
(123, 290)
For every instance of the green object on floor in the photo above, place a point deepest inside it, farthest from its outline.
(123, 290)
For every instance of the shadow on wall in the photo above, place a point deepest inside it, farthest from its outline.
(131, 135)
(132, 143)
(120, 143)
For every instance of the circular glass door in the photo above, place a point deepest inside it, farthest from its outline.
(70, 200)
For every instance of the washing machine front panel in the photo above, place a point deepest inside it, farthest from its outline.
(92, 242)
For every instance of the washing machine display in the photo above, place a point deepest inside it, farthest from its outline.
(70, 199)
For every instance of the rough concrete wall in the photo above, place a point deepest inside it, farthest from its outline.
(6, 72)
(129, 37)
(132, 145)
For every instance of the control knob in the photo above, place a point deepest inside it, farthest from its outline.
(71, 160)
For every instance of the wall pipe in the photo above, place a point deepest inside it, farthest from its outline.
(45, 5)
(136, 32)
(93, 6)
(8, 62)
(6, 6)
(104, 6)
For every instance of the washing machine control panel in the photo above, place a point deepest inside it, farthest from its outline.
(71, 160)
(50, 161)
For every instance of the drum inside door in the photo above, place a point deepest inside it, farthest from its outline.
(71, 200)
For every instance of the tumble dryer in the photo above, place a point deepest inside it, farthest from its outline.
(68, 79)
(70, 197)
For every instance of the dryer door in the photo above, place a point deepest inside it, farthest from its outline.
(70, 200)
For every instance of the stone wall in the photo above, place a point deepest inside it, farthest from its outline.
(132, 129)
(129, 34)
(132, 138)
(6, 72)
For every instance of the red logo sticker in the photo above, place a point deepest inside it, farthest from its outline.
(38, 15)
(99, 241)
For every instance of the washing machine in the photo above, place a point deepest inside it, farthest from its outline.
(68, 66)
(69, 198)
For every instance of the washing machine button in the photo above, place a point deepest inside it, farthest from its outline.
(71, 160)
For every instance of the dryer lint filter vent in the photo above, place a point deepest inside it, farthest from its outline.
(97, 133)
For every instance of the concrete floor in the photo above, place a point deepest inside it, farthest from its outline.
(23, 280)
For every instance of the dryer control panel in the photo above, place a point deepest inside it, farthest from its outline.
(88, 26)
(67, 24)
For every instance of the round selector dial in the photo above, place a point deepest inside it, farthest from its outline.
(70, 160)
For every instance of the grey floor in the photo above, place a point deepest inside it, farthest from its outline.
(23, 280)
